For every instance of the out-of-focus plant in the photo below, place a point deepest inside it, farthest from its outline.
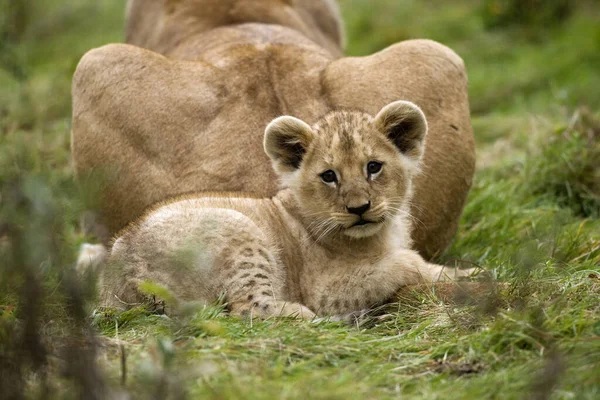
(534, 13)
(567, 168)
(14, 18)
(43, 302)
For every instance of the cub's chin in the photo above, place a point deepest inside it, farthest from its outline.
(363, 231)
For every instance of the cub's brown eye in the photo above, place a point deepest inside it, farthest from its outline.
(373, 167)
(329, 176)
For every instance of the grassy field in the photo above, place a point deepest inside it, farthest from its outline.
(532, 221)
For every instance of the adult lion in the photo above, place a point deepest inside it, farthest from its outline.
(191, 118)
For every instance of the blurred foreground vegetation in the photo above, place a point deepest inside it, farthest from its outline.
(532, 221)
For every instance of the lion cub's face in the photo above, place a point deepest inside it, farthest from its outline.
(350, 172)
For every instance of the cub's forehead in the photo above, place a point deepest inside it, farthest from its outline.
(345, 132)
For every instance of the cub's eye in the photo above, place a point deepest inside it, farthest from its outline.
(373, 167)
(329, 176)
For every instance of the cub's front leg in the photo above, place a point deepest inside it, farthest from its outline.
(253, 280)
(369, 285)
(251, 275)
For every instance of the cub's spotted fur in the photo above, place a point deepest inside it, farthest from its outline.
(336, 240)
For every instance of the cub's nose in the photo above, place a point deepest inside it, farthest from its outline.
(359, 210)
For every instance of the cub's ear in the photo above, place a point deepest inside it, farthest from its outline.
(286, 141)
(405, 125)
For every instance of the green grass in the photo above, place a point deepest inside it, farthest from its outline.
(532, 221)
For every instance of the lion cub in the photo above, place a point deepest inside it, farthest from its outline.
(336, 240)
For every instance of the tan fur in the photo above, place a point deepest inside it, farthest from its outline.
(302, 252)
(161, 126)
(168, 26)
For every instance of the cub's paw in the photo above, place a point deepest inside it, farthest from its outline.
(268, 309)
(286, 309)
(354, 318)
(442, 273)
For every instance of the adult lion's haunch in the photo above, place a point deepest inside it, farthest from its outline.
(191, 118)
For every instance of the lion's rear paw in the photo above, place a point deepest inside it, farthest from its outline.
(91, 256)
